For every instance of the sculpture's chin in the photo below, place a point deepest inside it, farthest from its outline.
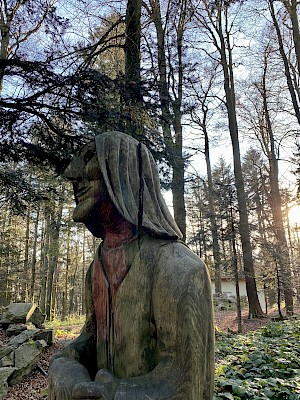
(83, 210)
(89, 218)
(79, 213)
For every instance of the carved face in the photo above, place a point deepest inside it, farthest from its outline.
(88, 184)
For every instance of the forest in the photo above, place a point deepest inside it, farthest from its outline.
(211, 87)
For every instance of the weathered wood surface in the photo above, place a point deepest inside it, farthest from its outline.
(149, 329)
(160, 342)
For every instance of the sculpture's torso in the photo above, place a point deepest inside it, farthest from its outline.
(153, 319)
(122, 291)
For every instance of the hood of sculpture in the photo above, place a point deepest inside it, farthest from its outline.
(132, 181)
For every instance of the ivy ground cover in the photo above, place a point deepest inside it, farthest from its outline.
(264, 364)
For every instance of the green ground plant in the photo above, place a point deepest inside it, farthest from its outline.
(264, 364)
(69, 328)
(71, 320)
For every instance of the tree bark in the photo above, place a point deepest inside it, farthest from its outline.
(44, 258)
(282, 253)
(133, 98)
(24, 294)
(73, 281)
(173, 142)
(53, 252)
(212, 214)
(227, 66)
(291, 7)
(285, 62)
(68, 259)
(133, 42)
(33, 257)
(234, 264)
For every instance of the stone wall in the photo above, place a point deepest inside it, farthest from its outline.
(23, 343)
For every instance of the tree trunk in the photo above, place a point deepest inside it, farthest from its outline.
(83, 272)
(33, 258)
(225, 52)
(54, 252)
(178, 184)
(24, 294)
(291, 6)
(133, 98)
(212, 214)
(236, 274)
(44, 258)
(68, 259)
(5, 32)
(282, 253)
(73, 282)
(132, 43)
(173, 144)
(285, 62)
(3, 256)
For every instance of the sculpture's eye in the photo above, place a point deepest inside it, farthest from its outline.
(88, 156)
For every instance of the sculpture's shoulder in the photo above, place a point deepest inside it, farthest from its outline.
(175, 261)
(177, 256)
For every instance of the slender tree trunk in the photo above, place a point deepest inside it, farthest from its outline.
(178, 161)
(227, 65)
(132, 44)
(178, 182)
(173, 144)
(279, 284)
(44, 259)
(68, 256)
(236, 273)
(24, 295)
(73, 281)
(9, 261)
(83, 272)
(133, 98)
(285, 62)
(33, 257)
(5, 32)
(282, 253)
(291, 6)
(54, 252)
(212, 214)
(3, 257)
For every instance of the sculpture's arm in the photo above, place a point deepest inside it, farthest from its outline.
(182, 309)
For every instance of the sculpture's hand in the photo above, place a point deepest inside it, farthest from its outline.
(64, 374)
(103, 387)
(88, 390)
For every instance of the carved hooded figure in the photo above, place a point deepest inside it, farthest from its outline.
(149, 327)
(131, 177)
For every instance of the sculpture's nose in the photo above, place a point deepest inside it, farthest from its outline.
(74, 170)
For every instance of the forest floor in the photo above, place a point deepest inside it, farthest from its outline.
(34, 387)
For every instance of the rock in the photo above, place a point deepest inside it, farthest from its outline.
(8, 360)
(26, 357)
(5, 373)
(37, 318)
(41, 344)
(22, 313)
(45, 334)
(23, 337)
(4, 350)
(15, 329)
(17, 313)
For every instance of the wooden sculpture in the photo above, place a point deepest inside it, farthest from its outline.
(149, 325)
